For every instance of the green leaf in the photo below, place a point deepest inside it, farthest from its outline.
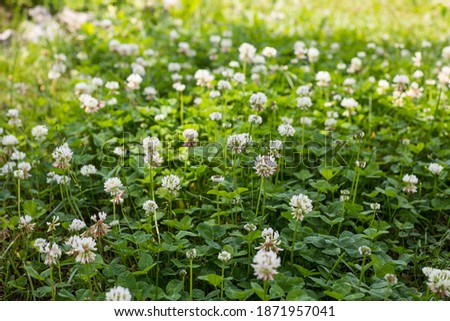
(33, 273)
(334, 295)
(238, 295)
(214, 279)
(30, 208)
(173, 289)
(259, 291)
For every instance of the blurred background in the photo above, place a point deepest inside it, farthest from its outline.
(404, 18)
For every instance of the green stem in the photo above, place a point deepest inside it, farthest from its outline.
(259, 196)
(152, 192)
(18, 197)
(356, 187)
(181, 109)
(266, 288)
(218, 207)
(293, 242)
(156, 227)
(52, 285)
(362, 270)
(223, 273)
(190, 279)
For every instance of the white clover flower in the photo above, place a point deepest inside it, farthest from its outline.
(246, 52)
(364, 250)
(160, 117)
(153, 159)
(190, 134)
(304, 102)
(375, 206)
(8, 168)
(223, 85)
(275, 147)
(9, 140)
(349, 103)
(265, 166)
(179, 87)
(303, 91)
(216, 116)
(237, 143)
(203, 77)
(265, 265)
(255, 119)
(119, 151)
(224, 256)
(174, 67)
(391, 278)
(118, 293)
(411, 181)
(345, 195)
(438, 281)
(76, 225)
(286, 130)
(269, 52)
(87, 170)
(250, 227)
(62, 156)
(39, 132)
(89, 104)
(271, 241)
(17, 155)
(305, 121)
(300, 205)
(360, 164)
(150, 93)
(134, 81)
(383, 85)
(150, 207)
(19, 174)
(97, 81)
(217, 179)
(313, 54)
(436, 169)
(84, 248)
(61, 179)
(113, 186)
(112, 85)
(151, 143)
(53, 224)
(191, 254)
(258, 101)
(323, 78)
(239, 78)
(171, 183)
(25, 223)
(53, 253)
(40, 244)
(446, 53)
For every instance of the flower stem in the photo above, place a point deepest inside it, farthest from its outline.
(218, 207)
(156, 227)
(259, 195)
(152, 192)
(181, 109)
(293, 242)
(190, 279)
(18, 197)
(356, 187)
(266, 288)
(222, 284)
(362, 270)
